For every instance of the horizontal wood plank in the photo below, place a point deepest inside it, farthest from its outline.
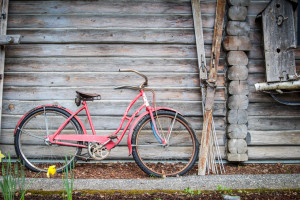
(268, 138)
(272, 109)
(105, 64)
(108, 93)
(178, 36)
(153, 36)
(103, 79)
(273, 123)
(274, 153)
(105, 21)
(108, 7)
(102, 50)
(112, 108)
(258, 66)
(109, 20)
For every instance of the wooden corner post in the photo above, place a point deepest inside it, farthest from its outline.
(209, 82)
(4, 11)
(4, 40)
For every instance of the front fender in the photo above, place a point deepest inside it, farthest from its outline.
(136, 122)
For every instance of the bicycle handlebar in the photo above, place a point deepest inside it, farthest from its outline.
(145, 83)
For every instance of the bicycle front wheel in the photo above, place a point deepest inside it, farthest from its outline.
(157, 159)
(32, 146)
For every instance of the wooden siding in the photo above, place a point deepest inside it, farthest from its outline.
(273, 128)
(80, 45)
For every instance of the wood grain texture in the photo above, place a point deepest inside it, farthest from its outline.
(130, 35)
(92, 39)
(102, 50)
(3, 30)
(279, 38)
(107, 93)
(102, 79)
(272, 109)
(268, 138)
(104, 21)
(102, 6)
(104, 64)
(274, 153)
(112, 107)
(262, 123)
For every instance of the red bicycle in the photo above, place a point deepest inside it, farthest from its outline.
(161, 141)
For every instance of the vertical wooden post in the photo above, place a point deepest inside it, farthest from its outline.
(199, 35)
(211, 84)
(200, 53)
(4, 15)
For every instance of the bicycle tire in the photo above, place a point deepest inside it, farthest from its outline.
(158, 160)
(34, 151)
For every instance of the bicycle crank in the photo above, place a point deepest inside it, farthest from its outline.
(97, 151)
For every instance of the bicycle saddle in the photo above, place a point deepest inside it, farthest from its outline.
(86, 97)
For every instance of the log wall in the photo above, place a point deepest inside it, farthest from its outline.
(80, 45)
(273, 131)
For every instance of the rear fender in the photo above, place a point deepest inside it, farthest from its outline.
(136, 121)
(50, 105)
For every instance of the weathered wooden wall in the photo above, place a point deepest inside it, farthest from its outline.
(273, 128)
(80, 45)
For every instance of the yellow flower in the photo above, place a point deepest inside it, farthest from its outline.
(51, 170)
(1, 156)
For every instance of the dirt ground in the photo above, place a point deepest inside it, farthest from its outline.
(131, 171)
(116, 195)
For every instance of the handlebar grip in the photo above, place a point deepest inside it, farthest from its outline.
(125, 70)
(138, 73)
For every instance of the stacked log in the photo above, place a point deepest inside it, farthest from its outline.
(237, 43)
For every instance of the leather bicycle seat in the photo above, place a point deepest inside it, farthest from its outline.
(88, 95)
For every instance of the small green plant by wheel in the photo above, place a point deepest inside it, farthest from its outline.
(160, 139)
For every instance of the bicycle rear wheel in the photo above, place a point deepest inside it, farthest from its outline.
(30, 139)
(157, 159)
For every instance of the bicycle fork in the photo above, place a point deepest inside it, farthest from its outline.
(158, 136)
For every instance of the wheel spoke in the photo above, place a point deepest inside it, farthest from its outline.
(30, 134)
(171, 128)
(175, 158)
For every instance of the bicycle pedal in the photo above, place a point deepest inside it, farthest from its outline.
(113, 137)
(84, 158)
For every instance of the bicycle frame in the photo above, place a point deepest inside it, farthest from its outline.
(109, 144)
